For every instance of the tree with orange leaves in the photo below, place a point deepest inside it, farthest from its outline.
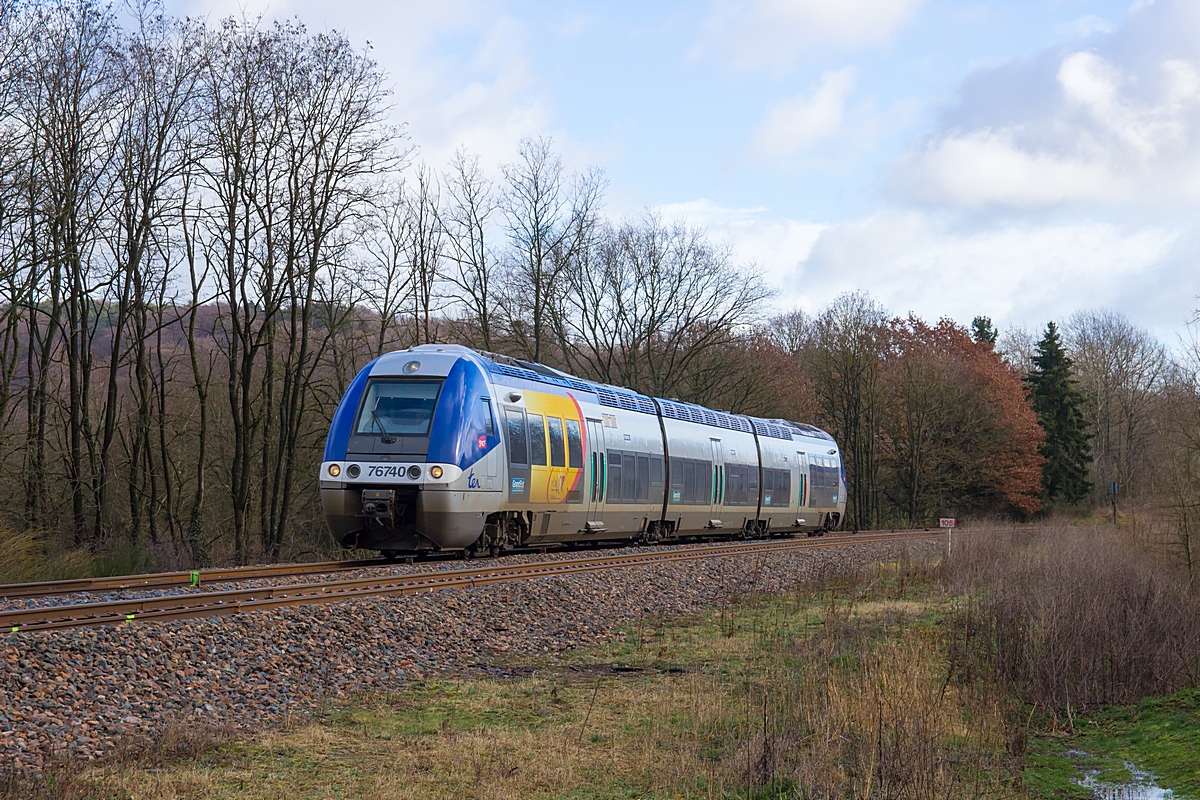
(958, 434)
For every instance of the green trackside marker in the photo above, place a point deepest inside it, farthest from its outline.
(16, 629)
(129, 617)
(195, 578)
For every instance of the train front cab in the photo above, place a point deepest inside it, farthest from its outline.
(414, 459)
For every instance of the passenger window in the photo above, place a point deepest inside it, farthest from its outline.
(733, 476)
(518, 449)
(629, 475)
(703, 482)
(643, 478)
(656, 465)
(537, 441)
(574, 445)
(614, 476)
(689, 481)
(489, 424)
(557, 459)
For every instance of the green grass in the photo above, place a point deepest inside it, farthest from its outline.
(1158, 735)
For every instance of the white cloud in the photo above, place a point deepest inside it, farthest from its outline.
(1022, 273)
(459, 68)
(771, 34)
(776, 245)
(1082, 28)
(1112, 126)
(982, 168)
(799, 122)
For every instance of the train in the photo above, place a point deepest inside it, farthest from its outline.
(445, 448)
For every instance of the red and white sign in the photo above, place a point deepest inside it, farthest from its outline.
(947, 522)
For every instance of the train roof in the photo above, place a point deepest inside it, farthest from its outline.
(620, 397)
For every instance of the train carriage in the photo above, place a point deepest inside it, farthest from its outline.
(440, 447)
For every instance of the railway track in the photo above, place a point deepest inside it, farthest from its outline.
(172, 580)
(223, 603)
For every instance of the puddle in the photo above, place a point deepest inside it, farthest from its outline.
(1141, 787)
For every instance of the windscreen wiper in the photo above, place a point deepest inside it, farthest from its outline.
(385, 437)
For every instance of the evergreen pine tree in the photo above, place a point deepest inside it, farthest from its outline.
(1057, 403)
(982, 330)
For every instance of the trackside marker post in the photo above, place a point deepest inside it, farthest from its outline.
(948, 523)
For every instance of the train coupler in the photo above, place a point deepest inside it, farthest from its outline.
(378, 503)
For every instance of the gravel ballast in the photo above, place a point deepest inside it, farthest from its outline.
(79, 693)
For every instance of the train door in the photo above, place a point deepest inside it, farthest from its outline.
(717, 492)
(491, 462)
(597, 473)
(517, 436)
(802, 484)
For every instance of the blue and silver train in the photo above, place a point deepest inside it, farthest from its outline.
(444, 448)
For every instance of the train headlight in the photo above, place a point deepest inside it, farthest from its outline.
(435, 472)
(353, 470)
(335, 470)
(414, 472)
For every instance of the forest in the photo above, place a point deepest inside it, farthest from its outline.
(207, 228)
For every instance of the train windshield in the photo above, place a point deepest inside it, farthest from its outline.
(398, 408)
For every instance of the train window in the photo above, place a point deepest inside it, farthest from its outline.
(643, 478)
(629, 476)
(676, 480)
(537, 440)
(398, 408)
(689, 481)
(489, 424)
(518, 449)
(656, 476)
(704, 478)
(557, 456)
(574, 445)
(614, 476)
(733, 491)
(777, 486)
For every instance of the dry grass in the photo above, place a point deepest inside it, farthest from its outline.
(840, 689)
(1068, 617)
(27, 556)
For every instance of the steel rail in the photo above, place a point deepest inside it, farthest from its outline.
(198, 578)
(207, 604)
(168, 580)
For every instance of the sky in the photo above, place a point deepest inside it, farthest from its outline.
(1019, 160)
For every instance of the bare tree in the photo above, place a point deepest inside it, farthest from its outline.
(845, 369)
(1179, 451)
(161, 69)
(467, 220)
(387, 272)
(73, 82)
(550, 217)
(426, 242)
(1017, 346)
(649, 304)
(1119, 367)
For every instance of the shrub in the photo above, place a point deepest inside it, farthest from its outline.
(1074, 617)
